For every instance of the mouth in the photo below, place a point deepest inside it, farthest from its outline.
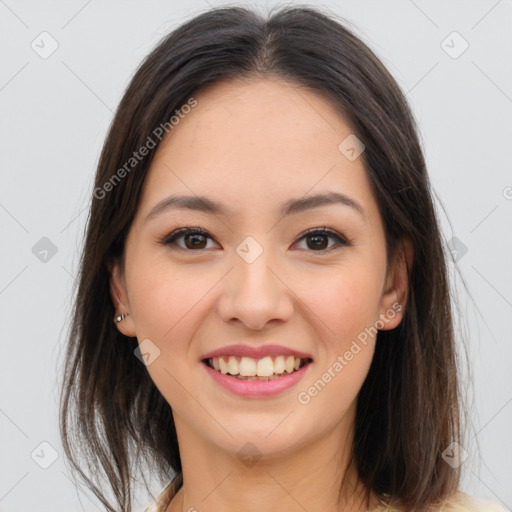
(264, 369)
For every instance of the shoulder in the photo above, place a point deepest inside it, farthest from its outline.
(464, 502)
(459, 502)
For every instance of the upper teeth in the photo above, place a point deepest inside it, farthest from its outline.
(248, 367)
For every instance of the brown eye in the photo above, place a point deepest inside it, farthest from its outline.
(317, 240)
(194, 239)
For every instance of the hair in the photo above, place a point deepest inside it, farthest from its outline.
(409, 406)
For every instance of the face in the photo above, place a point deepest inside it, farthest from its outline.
(258, 274)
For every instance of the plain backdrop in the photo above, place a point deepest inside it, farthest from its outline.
(64, 68)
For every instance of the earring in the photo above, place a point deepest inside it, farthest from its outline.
(120, 318)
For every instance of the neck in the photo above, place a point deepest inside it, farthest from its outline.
(313, 477)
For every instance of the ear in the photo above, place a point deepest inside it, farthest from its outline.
(120, 299)
(395, 294)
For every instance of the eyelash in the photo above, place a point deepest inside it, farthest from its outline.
(170, 239)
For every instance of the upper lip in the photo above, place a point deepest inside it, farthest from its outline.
(255, 352)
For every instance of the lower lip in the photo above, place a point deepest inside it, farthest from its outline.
(257, 388)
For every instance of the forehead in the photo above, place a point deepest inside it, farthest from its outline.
(251, 143)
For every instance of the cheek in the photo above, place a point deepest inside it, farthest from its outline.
(346, 300)
(166, 302)
(163, 295)
(345, 305)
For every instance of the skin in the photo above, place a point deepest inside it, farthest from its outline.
(252, 144)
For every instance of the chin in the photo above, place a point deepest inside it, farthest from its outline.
(262, 442)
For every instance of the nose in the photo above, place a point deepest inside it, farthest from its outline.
(255, 293)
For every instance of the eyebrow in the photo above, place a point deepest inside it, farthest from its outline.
(290, 207)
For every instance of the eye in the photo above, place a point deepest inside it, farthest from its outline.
(197, 238)
(194, 238)
(319, 239)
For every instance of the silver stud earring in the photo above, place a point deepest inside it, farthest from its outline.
(120, 318)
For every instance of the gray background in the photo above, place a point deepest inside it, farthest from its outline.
(55, 114)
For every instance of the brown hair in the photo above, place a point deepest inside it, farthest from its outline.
(409, 405)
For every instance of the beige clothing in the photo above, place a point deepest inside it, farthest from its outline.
(460, 502)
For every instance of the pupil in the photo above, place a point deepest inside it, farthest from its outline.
(317, 241)
(317, 237)
(194, 237)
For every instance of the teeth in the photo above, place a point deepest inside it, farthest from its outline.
(265, 367)
(279, 365)
(233, 366)
(223, 365)
(289, 364)
(247, 367)
(250, 367)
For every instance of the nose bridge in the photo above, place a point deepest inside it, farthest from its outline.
(255, 295)
(252, 268)
(254, 273)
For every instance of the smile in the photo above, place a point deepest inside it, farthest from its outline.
(253, 378)
(249, 368)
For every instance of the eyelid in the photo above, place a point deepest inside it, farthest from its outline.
(325, 231)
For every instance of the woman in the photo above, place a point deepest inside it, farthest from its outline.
(262, 233)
